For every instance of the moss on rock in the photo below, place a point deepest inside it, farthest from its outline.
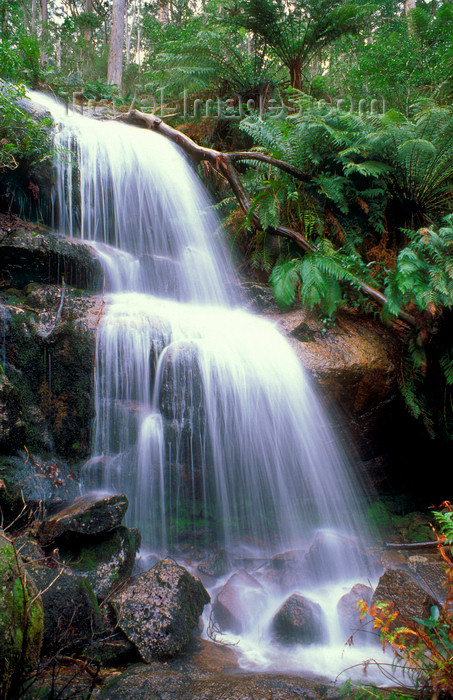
(21, 620)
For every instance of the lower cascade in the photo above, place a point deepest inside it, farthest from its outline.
(204, 417)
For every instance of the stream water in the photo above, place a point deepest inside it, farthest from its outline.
(203, 415)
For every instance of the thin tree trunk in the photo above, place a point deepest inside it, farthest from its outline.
(129, 32)
(33, 17)
(88, 7)
(43, 19)
(115, 65)
(295, 74)
(139, 32)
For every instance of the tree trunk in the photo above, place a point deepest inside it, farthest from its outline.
(295, 74)
(88, 7)
(43, 18)
(33, 17)
(115, 65)
(139, 33)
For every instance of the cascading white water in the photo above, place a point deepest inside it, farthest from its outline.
(204, 416)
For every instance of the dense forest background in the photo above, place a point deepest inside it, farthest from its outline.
(350, 103)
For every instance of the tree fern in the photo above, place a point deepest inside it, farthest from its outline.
(445, 520)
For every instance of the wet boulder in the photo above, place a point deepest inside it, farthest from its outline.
(332, 553)
(240, 599)
(181, 395)
(21, 620)
(353, 364)
(399, 588)
(158, 609)
(33, 254)
(91, 514)
(347, 609)
(289, 569)
(431, 575)
(216, 565)
(104, 561)
(299, 620)
(71, 612)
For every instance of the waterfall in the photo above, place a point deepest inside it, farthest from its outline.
(203, 415)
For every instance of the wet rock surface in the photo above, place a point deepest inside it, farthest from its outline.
(87, 515)
(47, 357)
(159, 609)
(47, 323)
(347, 609)
(209, 672)
(353, 361)
(299, 620)
(34, 254)
(12, 426)
(217, 564)
(431, 575)
(289, 570)
(328, 552)
(240, 598)
(399, 588)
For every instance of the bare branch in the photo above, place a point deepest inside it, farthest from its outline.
(223, 163)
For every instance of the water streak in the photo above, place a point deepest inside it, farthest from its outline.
(204, 416)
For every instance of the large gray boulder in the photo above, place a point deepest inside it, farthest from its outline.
(159, 609)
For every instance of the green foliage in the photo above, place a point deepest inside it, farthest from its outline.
(20, 58)
(368, 691)
(296, 32)
(423, 281)
(316, 279)
(424, 271)
(365, 184)
(22, 139)
(202, 56)
(408, 57)
(445, 521)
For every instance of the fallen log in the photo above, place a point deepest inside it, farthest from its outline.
(416, 545)
(223, 163)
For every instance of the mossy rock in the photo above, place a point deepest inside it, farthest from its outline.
(12, 427)
(71, 612)
(104, 561)
(21, 620)
(49, 365)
